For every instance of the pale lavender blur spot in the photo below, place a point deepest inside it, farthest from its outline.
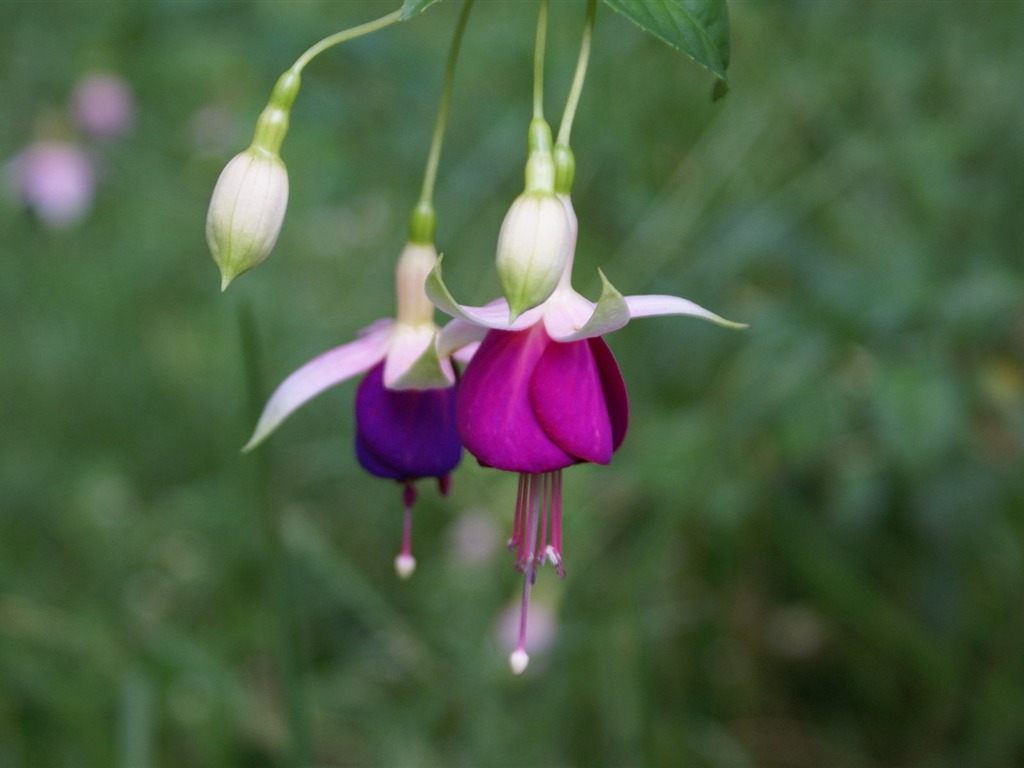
(104, 105)
(475, 538)
(56, 180)
(541, 627)
(212, 131)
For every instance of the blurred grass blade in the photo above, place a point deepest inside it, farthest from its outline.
(135, 721)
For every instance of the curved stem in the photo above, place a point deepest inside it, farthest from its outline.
(538, 60)
(343, 36)
(581, 73)
(430, 176)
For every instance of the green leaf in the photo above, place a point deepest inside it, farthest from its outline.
(698, 28)
(412, 8)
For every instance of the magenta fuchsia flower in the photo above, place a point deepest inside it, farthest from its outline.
(542, 393)
(405, 403)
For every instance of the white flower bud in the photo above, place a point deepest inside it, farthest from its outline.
(246, 211)
(533, 247)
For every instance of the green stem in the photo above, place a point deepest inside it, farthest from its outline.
(422, 224)
(279, 575)
(538, 60)
(581, 73)
(344, 35)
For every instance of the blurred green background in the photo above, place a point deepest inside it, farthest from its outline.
(810, 550)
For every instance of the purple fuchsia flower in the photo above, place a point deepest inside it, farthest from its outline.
(405, 403)
(544, 392)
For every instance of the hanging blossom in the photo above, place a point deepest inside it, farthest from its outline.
(543, 392)
(405, 403)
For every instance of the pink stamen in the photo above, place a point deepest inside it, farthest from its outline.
(545, 502)
(517, 523)
(536, 505)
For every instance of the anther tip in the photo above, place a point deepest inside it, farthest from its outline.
(405, 565)
(518, 661)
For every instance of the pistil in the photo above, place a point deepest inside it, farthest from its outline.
(405, 563)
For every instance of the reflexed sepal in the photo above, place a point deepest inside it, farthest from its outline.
(428, 371)
(610, 313)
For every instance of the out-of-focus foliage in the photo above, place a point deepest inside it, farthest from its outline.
(810, 550)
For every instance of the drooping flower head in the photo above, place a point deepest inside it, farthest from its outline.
(544, 392)
(405, 403)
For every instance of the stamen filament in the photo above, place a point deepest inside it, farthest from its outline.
(545, 501)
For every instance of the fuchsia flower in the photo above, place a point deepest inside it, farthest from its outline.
(542, 393)
(405, 404)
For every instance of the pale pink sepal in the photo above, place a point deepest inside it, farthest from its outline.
(457, 336)
(609, 314)
(649, 305)
(465, 354)
(320, 373)
(412, 361)
(494, 315)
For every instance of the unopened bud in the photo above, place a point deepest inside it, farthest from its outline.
(246, 212)
(249, 201)
(533, 246)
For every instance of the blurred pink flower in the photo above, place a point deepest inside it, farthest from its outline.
(474, 538)
(104, 105)
(57, 180)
